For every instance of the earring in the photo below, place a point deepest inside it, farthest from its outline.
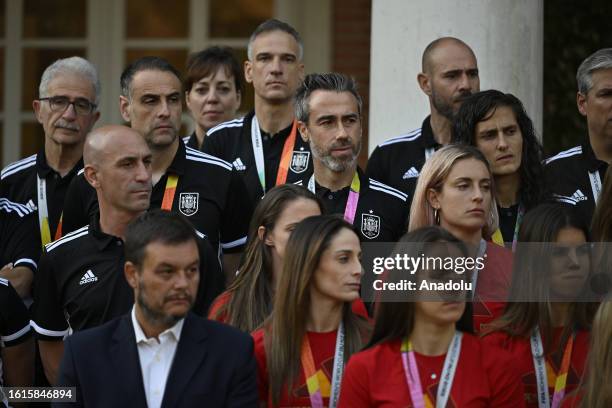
(437, 216)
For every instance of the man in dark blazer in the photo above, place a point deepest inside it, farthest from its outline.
(161, 355)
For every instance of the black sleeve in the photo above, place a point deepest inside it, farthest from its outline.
(48, 320)
(212, 145)
(212, 279)
(80, 203)
(14, 318)
(21, 240)
(376, 167)
(236, 216)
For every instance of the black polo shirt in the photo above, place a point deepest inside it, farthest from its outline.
(231, 141)
(381, 215)
(18, 243)
(80, 283)
(191, 141)
(208, 194)
(18, 184)
(572, 176)
(398, 161)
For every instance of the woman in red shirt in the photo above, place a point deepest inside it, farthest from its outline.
(545, 326)
(248, 300)
(302, 347)
(456, 191)
(422, 353)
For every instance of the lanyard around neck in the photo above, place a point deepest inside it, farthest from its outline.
(283, 166)
(353, 199)
(169, 192)
(498, 238)
(43, 213)
(539, 363)
(311, 376)
(413, 379)
(595, 185)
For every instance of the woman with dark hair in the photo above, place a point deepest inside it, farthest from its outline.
(302, 348)
(497, 124)
(456, 191)
(213, 90)
(545, 324)
(248, 300)
(422, 353)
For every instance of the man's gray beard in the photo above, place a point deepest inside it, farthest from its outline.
(334, 165)
(153, 316)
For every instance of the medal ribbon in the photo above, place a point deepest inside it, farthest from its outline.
(539, 363)
(43, 214)
(283, 166)
(413, 379)
(169, 192)
(353, 199)
(311, 376)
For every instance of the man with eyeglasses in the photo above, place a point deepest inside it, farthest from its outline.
(69, 93)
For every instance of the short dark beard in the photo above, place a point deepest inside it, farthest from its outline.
(152, 316)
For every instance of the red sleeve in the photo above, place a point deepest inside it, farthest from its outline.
(262, 367)
(572, 401)
(504, 378)
(221, 301)
(355, 390)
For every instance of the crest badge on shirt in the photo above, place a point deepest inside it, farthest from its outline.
(188, 203)
(370, 225)
(299, 161)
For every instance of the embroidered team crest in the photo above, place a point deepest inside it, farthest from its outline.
(370, 225)
(188, 203)
(299, 161)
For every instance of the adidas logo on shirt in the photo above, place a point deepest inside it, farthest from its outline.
(238, 165)
(88, 278)
(411, 173)
(578, 196)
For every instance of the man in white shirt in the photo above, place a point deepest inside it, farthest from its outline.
(161, 355)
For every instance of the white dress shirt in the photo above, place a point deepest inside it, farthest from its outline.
(156, 358)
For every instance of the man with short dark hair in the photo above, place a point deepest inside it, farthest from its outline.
(67, 109)
(161, 355)
(197, 185)
(328, 110)
(449, 74)
(265, 147)
(80, 282)
(575, 175)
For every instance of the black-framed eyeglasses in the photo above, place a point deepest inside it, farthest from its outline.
(60, 103)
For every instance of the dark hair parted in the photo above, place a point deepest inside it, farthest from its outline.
(156, 226)
(287, 325)
(144, 64)
(208, 61)
(275, 25)
(481, 106)
(395, 320)
(252, 292)
(531, 277)
(323, 82)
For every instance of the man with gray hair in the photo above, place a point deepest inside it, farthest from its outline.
(264, 147)
(575, 175)
(328, 111)
(66, 107)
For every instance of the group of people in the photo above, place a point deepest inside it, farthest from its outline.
(225, 268)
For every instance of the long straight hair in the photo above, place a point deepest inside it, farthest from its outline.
(251, 292)
(602, 218)
(434, 174)
(595, 391)
(531, 277)
(286, 328)
(395, 320)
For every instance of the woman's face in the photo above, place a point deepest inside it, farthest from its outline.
(570, 264)
(338, 275)
(294, 212)
(464, 201)
(213, 99)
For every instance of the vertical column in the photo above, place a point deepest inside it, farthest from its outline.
(507, 37)
(12, 82)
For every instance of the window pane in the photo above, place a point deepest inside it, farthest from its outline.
(57, 18)
(176, 57)
(1, 80)
(2, 144)
(32, 138)
(35, 60)
(2, 17)
(157, 18)
(238, 18)
(248, 97)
